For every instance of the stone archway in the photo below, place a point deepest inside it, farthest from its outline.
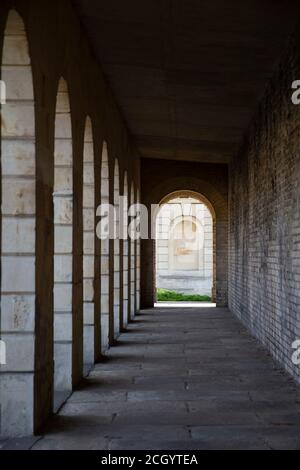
(125, 311)
(88, 247)
(138, 266)
(63, 201)
(219, 208)
(18, 232)
(132, 263)
(104, 254)
(202, 200)
(117, 285)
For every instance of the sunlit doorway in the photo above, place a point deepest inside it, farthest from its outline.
(185, 252)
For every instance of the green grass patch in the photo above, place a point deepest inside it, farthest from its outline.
(171, 296)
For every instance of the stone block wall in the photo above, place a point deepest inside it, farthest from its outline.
(173, 272)
(43, 43)
(264, 274)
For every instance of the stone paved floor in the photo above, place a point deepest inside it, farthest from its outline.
(181, 379)
(2, 443)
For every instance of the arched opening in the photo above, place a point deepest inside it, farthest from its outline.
(138, 266)
(88, 248)
(105, 255)
(125, 255)
(63, 246)
(132, 263)
(185, 249)
(18, 232)
(117, 252)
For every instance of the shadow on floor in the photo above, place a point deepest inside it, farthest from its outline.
(182, 379)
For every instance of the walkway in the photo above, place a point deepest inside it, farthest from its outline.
(181, 379)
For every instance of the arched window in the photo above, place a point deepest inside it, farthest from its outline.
(125, 255)
(18, 226)
(88, 247)
(63, 246)
(105, 255)
(117, 252)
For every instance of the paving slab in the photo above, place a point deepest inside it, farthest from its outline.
(19, 444)
(181, 379)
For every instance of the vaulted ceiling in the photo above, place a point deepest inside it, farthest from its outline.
(188, 74)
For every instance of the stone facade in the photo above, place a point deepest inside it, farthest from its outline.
(184, 247)
(264, 279)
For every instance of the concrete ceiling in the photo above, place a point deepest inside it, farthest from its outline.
(188, 74)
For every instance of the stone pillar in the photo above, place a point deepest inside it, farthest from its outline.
(88, 248)
(125, 258)
(132, 266)
(63, 247)
(18, 250)
(105, 256)
(116, 253)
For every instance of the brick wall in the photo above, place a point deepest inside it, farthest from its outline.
(264, 274)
